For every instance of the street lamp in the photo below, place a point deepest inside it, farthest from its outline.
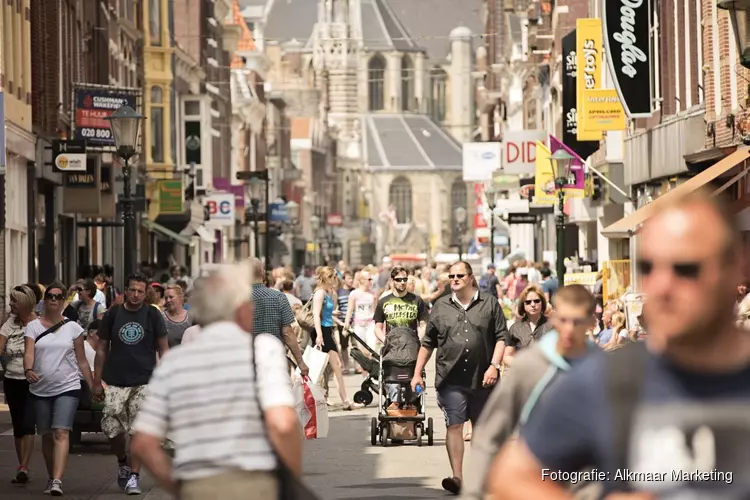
(738, 13)
(256, 191)
(460, 215)
(315, 226)
(490, 195)
(560, 161)
(125, 124)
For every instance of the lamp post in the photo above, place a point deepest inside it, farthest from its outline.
(460, 215)
(292, 212)
(739, 11)
(125, 124)
(560, 161)
(256, 187)
(315, 226)
(490, 195)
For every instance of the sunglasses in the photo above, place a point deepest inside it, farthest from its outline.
(400, 280)
(684, 270)
(54, 296)
(532, 301)
(456, 276)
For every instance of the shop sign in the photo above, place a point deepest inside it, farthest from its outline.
(589, 66)
(601, 110)
(277, 212)
(220, 208)
(584, 149)
(519, 150)
(105, 185)
(93, 106)
(585, 279)
(85, 179)
(171, 195)
(334, 220)
(69, 156)
(522, 219)
(480, 160)
(627, 39)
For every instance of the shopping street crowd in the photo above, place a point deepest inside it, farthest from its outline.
(560, 394)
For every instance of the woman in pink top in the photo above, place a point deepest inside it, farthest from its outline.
(362, 306)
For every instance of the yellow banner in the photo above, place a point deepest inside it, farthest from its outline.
(588, 70)
(601, 111)
(544, 177)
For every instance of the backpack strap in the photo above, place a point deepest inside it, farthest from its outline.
(624, 388)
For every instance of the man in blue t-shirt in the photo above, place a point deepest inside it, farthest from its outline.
(549, 284)
(667, 418)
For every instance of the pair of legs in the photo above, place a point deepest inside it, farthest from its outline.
(23, 417)
(334, 360)
(121, 405)
(54, 420)
(459, 405)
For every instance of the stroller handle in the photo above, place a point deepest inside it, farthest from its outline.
(350, 332)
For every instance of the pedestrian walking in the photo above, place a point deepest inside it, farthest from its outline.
(232, 419)
(533, 323)
(468, 330)
(15, 385)
(342, 298)
(130, 337)
(176, 318)
(274, 315)
(86, 307)
(54, 361)
(673, 407)
(535, 372)
(305, 284)
(361, 310)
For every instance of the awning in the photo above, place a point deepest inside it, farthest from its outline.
(199, 229)
(627, 226)
(158, 228)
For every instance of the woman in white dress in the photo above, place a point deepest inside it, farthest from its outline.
(361, 309)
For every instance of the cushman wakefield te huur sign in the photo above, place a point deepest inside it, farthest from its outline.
(627, 40)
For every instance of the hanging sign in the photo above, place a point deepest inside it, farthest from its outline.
(171, 195)
(589, 67)
(69, 156)
(627, 39)
(519, 150)
(584, 149)
(601, 110)
(220, 208)
(88, 178)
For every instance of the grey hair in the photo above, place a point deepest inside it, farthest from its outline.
(220, 295)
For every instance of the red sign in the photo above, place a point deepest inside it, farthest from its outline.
(479, 221)
(335, 220)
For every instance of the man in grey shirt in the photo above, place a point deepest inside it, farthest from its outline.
(305, 284)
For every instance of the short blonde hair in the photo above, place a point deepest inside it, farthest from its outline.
(24, 298)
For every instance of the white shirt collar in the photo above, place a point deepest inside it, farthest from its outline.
(465, 306)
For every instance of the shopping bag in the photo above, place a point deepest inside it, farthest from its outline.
(317, 361)
(312, 410)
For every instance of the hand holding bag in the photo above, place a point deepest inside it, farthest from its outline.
(312, 409)
(290, 487)
(317, 362)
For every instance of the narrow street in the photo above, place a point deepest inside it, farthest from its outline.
(343, 466)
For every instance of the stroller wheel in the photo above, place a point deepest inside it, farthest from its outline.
(363, 397)
(384, 435)
(430, 430)
(374, 431)
(418, 434)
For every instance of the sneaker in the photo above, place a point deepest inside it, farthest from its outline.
(134, 485)
(123, 475)
(49, 486)
(22, 476)
(55, 489)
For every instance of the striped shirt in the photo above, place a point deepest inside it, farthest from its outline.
(203, 395)
(272, 311)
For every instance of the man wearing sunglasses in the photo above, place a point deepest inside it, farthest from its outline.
(673, 408)
(468, 330)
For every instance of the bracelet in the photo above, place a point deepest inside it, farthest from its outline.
(28, 370)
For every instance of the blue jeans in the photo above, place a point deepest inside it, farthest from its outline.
(55, 412)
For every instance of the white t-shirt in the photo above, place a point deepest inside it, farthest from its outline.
(14, 347)
(54, 359)
(90, 354)
(98, 297)
(293, 301)
(364, 308)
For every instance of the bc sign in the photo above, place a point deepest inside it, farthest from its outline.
(220, 208)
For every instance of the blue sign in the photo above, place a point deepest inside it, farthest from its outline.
(278, 212)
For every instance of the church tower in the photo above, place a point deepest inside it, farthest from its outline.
(335, 60)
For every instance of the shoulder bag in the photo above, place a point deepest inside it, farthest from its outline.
(305, 317)
(51, 329)
(290, 487)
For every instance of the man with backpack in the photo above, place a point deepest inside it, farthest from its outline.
(664, 418)
(489, 283)
(130, 337)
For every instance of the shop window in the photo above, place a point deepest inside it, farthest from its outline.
(157, 125)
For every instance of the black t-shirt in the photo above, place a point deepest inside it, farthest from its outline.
(685, 421)
(133, 342)
(488, 284)
(395, 311)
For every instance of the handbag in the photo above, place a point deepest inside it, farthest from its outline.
(290, 487)
(305, 317)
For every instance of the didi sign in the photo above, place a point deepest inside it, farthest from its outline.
(220, 208)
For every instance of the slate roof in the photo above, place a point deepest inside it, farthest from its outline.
(382, 30)
(399, 143)
(290, 20)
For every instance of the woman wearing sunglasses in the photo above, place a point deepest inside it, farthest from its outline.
(54, 360)
(532, 305)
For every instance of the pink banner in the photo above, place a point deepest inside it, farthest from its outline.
(577, 167)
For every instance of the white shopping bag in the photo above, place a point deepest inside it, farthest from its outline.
(312, 410)
(317, 361)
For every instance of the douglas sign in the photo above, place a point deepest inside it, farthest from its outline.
(627, 27)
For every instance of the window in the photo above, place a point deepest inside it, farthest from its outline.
(399, 195)
(407, 84)
(458, 199)
(438, 80)
(157, 125)
(376, 77)
(154, 22)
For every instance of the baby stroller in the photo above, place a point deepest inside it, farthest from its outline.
(401, 414)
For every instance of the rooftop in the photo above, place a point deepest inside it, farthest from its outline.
(400, 143)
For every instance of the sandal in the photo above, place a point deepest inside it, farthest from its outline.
(452, 485)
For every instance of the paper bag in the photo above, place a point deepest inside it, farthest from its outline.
(317, 361)
(312, 410)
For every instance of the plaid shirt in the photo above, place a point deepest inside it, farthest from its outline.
(272, 311)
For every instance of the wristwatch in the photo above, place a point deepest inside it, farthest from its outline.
(496, 365)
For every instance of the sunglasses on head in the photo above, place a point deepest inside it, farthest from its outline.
(400, 280)
(532, 301)
(54, 296)
(456, 276)
(684, 270)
